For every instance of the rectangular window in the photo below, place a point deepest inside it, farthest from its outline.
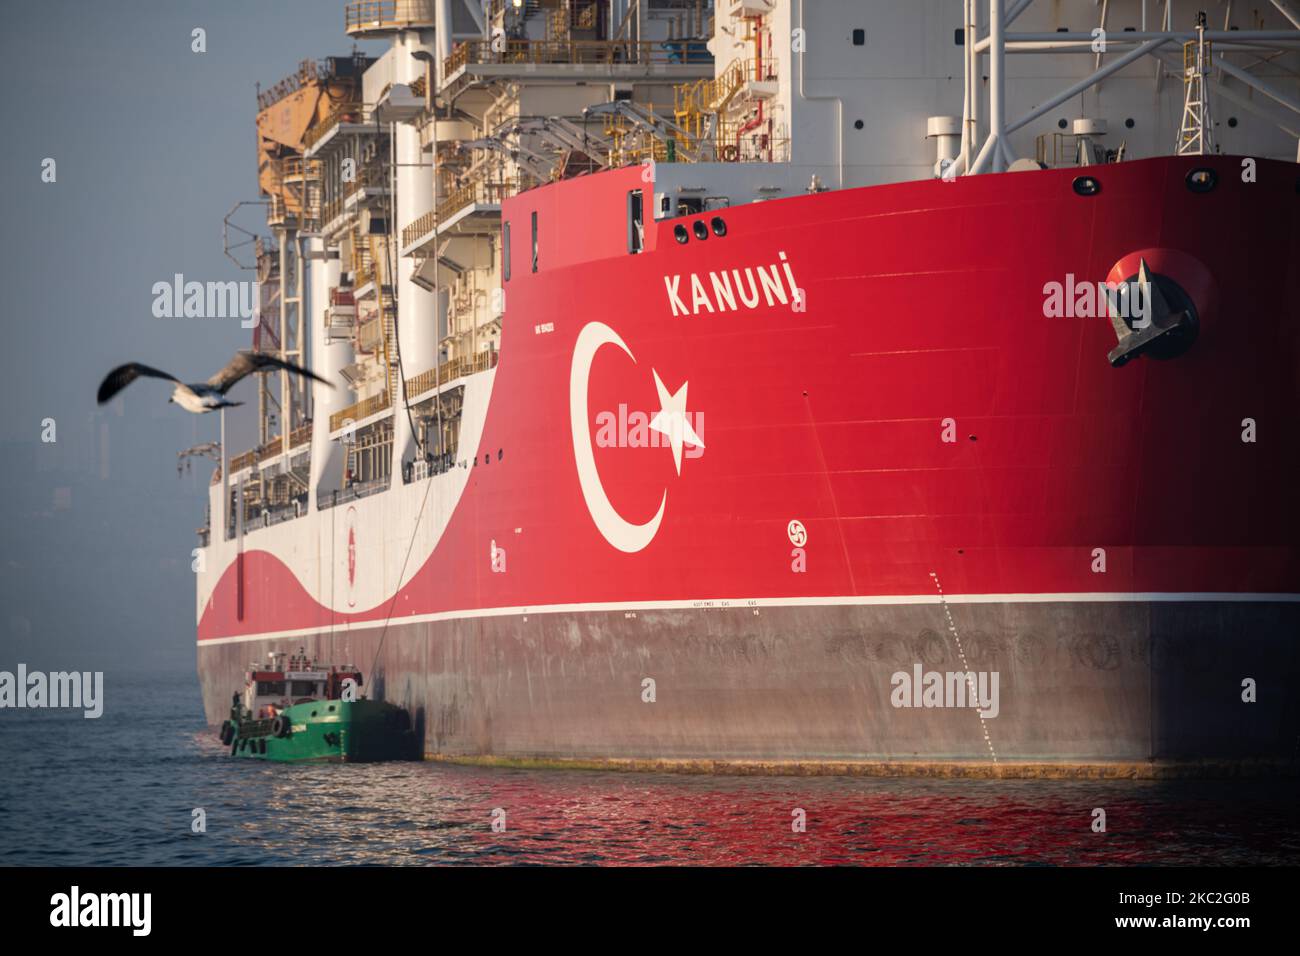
(534, 242)
(635, 224)
(505, 252)
(859, 37)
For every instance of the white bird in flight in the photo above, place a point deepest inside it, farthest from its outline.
(207, 396)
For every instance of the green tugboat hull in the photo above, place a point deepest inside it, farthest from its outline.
(333, 731)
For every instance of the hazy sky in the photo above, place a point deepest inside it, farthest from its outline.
(154, 143)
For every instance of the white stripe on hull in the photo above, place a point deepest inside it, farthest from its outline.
(1096, 597)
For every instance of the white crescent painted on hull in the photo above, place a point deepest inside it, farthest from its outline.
(617, 530)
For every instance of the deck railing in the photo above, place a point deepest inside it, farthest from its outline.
(420, 227)
(449, 371)
(367, 176)
(667, 52)
(308, 71)
(246, 460)
(342, 112)
(295, 167)
(487, 193)
(297, 438)
(358, 489)
(362, 15)
(359, 410)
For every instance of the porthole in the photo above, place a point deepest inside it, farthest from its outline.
(680, 234)
(331, 708)
(1061, 124)
(1232, 121)
(719, 226)
(700, 229)
(1130, 123)
(1087, 185)
(1202, 179)
(858, 124)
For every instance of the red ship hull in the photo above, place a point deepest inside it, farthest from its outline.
(906, 462)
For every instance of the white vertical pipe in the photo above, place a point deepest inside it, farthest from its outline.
(417, 319)
(997, 78)
(839, 111)
(968, 52)
(975, 84)
(224, 512)
(442, 34)
(414, 198)
(328, 361)
(286, 395)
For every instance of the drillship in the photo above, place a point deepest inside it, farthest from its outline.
(784, 384)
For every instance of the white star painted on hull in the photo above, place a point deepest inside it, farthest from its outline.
(671, 420)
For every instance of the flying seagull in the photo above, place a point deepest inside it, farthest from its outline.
(207, 396)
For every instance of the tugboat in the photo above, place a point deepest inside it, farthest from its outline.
(304, 712)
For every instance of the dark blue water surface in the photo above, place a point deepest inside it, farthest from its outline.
(121, 790)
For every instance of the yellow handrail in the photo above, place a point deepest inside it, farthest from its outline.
(574, 52)
(362, 409)
(332, 119)
(480, 191)
(449, 371)
(420, 227)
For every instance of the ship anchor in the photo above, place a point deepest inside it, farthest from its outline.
(1170, 327)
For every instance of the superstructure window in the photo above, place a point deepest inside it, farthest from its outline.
(534, 242)
(859, 37)
(505, 251)
(635, 222)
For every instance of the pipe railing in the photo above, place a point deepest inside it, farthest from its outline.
(359, 410)
(299, 437)
(565, 51)
(486, 193)
(341, 112)
(357, 489)
(449, 371)
(362, 15)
